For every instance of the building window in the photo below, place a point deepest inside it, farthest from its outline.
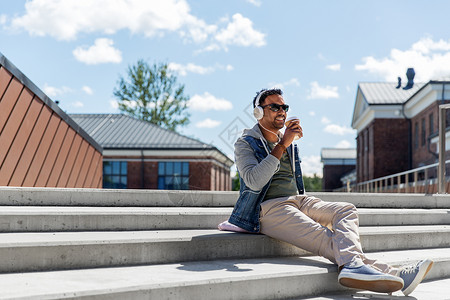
(431, 124)
(115, 174)
(173, 175)
(424, 133)
(416, 135)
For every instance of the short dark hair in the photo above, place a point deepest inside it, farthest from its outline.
(265, 93)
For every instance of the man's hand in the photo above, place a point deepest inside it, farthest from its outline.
(288, 137)
(292, 130)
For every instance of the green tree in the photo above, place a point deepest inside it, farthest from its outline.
(151, 93)
(313, 184)
(236, 184)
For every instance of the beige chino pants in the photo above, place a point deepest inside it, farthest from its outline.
(328, 229)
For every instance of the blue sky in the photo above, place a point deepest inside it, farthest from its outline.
(225, 51)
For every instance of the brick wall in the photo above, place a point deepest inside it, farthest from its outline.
(420, 154)
(382, 149)
(203, 174)
(332, 176)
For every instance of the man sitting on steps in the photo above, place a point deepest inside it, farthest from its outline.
(272, 202)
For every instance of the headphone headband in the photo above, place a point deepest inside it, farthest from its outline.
(259, 97)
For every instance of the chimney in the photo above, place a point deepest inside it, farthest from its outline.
(410, 75)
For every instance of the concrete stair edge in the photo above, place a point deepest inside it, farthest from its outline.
(69, 218)
(106, 197)
(22, 252)
(271, 278)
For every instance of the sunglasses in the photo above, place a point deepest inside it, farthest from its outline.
(276, 107)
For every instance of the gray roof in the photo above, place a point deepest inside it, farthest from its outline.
(119, 131)
(386, 93)
(338, 153)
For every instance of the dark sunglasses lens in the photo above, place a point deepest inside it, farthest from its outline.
(276, 107)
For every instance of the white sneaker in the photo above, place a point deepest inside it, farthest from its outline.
(367, 278)
(413, 274)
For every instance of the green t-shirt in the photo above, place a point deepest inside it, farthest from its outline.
(283, 182)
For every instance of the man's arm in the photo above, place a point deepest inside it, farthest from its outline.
(255, 175)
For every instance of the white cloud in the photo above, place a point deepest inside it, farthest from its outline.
(87, 90)
(282, 85)
(325, 120)
(312, 113)
(322, 92)
(229, 68)
(240, 32)
(114, 104)
(343, 144)
(255, 2)
(77, 104)
(209, 48)
(52, 91)
(101, 52)
(335, 67)
(207, 102)
(427, 45)
(3, 19)
(311, 165)
(429, 59)
(338, 130)
(66, 20)
(183, 70)
(207, 123)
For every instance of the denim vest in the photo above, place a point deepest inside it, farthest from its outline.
(246, 211)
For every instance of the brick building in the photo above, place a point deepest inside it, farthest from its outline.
(337, 163)
(397, 129)
(41, 146)
(137, 154)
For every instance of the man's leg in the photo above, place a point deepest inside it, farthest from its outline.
(282, 219)
(324, 228)
(342, 218)
(327, 229)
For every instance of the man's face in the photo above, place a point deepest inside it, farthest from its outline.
(273, 120)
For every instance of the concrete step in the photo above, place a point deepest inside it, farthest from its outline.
(66, 218)
(428, 290)
(388, 200)
(21, 252)
(53, 218)
(106, 197)
(158, 198)
(267, 278)
(403, 216)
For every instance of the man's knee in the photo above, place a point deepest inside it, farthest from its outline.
(348, 208)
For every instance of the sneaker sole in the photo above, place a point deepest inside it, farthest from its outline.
(418, 279)
(379, 286)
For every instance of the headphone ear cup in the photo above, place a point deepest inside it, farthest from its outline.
(258, 112)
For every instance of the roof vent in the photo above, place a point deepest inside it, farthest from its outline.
(399, 85)
(410, 75)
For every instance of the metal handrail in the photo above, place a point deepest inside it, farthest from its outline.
(412, 171)
(402, 173)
